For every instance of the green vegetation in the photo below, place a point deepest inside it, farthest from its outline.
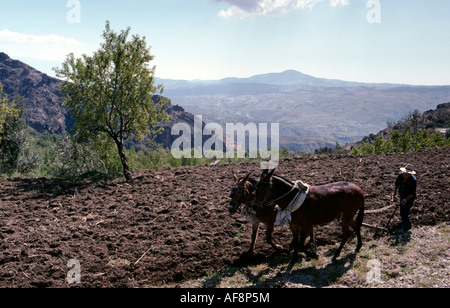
(111, 93)
(410, 134)
(8, 111)
(13, 154)
(402, 142)
(338, 149)
(62, 156)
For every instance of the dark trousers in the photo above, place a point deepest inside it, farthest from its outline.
(404, 214)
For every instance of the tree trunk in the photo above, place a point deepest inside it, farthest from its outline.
(123, 158)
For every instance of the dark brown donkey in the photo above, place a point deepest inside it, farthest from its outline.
(323, 205)
(243, 192)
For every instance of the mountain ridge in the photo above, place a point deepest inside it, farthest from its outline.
(285, 78)
(44, 106)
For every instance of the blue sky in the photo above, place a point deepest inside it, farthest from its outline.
(406, 41)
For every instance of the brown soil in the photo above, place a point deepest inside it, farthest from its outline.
(172, 225)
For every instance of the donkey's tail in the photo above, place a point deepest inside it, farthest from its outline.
(360, 217)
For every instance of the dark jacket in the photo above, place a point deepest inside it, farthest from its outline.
(408, 187)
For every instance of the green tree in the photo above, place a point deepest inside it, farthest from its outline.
(12, 138)
(8, 110)
(110, 94)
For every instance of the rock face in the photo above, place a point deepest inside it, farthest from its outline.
(40, 91)
(44, 106)
(439, 118)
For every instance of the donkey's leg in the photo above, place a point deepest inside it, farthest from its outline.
(345, 233)
(357, 230)
(255, 227)
(269, 231)
(312, 243)
(303, 235)
(295, 232)
(312, 237)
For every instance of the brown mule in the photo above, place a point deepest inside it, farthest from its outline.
(243, 192)
(324, 204)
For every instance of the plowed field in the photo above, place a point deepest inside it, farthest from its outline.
(173, 225)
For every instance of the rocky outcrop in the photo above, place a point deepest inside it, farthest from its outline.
(40, 91)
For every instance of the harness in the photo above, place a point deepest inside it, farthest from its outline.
(284, 216)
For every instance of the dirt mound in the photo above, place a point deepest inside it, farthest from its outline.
(172, 225)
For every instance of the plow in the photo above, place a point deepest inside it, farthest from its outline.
(385, 227)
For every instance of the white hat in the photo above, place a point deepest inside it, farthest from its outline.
(408, 169)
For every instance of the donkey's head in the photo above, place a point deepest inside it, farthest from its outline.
(240, 193)
(263, 190)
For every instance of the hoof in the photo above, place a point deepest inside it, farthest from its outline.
(312, 255)
(278, 247)
(248, 253)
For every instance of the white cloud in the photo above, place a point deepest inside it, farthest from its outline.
(49, 47)
(245, 8)
(263, 7)
(336, 3)
(24, 38)
(246, 5)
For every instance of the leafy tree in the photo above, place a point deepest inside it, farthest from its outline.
(12, 132)
(12, 143)
(110, 93)
(8, 111)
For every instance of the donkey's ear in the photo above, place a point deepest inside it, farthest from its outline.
(269, 175)
(247, 177)
(235, 177)
(264, 173)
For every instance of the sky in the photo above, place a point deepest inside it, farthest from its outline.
(395, 41)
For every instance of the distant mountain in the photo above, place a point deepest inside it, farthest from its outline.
(44, 106)
(291, 77)
(312, 112)
(286, 78)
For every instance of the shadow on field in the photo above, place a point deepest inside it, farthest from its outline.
(278, 270)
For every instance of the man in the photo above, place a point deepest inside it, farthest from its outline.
(406, 184)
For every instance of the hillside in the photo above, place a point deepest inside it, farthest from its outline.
(433, 120)
(40, 92)
(44, 106)
(172, 226)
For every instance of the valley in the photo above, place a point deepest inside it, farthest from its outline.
(312, 112)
